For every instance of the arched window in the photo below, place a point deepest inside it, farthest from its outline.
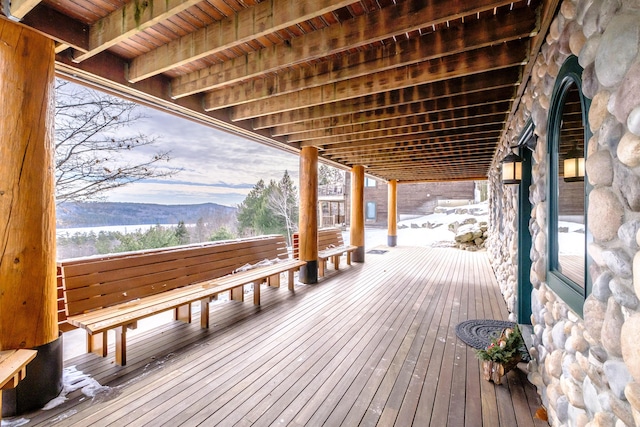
(568, 135)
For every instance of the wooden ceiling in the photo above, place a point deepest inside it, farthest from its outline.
(414, 90)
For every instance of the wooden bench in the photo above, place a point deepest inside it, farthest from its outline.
(330, 246)
(114, 292)
(13, 368)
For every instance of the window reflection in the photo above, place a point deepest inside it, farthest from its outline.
(571, 191)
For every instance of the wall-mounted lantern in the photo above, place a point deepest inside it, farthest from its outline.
(511, 169)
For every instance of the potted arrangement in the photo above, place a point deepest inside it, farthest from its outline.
(502, 355)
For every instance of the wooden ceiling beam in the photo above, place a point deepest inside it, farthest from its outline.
(400, 146)
(416, 135)
(495, 112)
(420, 153)
(20, 8)
(452, 127)
(464, 165)
(245, 26)
(360, 109)
(462, 64)
(391, 21)
(133, 18)
(475, 35)
(435, 177)
(478, 162)
(434, 106)
(460, 133)
(58, 27)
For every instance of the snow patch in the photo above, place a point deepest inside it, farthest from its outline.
(72, 380)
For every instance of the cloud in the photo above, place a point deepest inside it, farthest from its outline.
(214, 166)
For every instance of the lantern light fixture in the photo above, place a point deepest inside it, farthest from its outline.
(574, 166)
(511, 169)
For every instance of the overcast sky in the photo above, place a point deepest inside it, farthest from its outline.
(215, 166)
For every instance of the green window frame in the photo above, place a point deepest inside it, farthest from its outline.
(572, 293)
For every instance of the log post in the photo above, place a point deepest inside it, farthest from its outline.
(357, 212)
(308, 222)
(392, 214)
(28, 294)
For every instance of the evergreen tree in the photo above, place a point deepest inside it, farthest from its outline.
(271, 209)
(221, 234)
(182, 234)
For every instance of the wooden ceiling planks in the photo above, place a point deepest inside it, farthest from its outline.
(416, 90)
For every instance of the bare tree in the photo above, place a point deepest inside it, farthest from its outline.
(282, 200)
(93, 148)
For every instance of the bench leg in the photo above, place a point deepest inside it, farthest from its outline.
(336, 262)
(183, 313)
(121, 345)
(290, 274)
(321, 263)
(348, 257)
(204, 313)
(237, 294)
(97, 343)
(274, 281)
(256, 292)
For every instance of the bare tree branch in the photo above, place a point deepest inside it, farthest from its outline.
(94, 144)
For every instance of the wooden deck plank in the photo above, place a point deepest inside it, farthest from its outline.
(363, 333)
(373, 344)
(367, 385)
(328, 390)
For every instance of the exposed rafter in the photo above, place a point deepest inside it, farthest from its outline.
(416, 90)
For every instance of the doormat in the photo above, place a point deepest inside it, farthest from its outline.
(478, 333)
(377, 251)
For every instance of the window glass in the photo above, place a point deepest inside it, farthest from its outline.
(369, 182)
(570, 159)
(568, 235)
(371, 210)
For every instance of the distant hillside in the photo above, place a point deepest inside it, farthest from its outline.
(98, 214)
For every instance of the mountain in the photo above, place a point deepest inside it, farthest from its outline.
(98, 214)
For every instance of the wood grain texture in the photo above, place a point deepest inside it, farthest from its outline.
(357, 206)
(308, 222)
(28, 297)
(392, 204)
(374, 343)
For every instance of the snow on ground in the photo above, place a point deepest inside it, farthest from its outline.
(423, 236)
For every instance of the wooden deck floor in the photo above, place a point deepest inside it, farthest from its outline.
(373, 344)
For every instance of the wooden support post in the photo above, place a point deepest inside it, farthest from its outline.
(357, 212)
(28, 294)
(308, 223)
(392, 215)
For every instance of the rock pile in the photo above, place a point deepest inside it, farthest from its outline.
(470, 235)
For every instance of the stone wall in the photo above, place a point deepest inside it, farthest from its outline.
(587, 370)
